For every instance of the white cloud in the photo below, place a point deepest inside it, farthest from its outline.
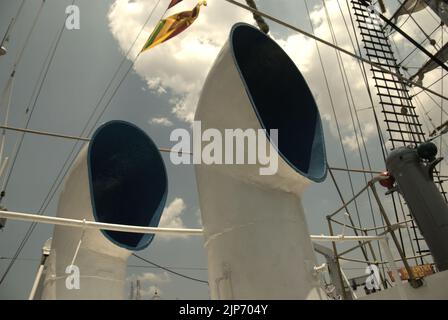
(344, 95)
(154, 278)
(150, 277)
(351, 142)
(163, 121)
(171, 218)
(179, 66)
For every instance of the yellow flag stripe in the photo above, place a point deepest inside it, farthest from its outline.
(154, 35)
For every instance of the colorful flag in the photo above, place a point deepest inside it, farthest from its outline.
(172, 26)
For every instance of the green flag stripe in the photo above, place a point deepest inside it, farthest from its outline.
(155, 34)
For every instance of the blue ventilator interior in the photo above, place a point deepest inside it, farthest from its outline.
(281, 99)
(128, 181)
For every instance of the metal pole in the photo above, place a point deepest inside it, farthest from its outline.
(3, 166)
(95, 225)
(342, 238)
(394, 268)
(335, 250)
(414, 282)
(37, 280)
(348, 284)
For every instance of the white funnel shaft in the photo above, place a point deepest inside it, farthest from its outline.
(255, 231)
(118, 177)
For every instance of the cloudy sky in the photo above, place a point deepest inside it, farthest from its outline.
(160, 94)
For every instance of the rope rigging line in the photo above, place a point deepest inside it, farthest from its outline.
(400, 200)
(421, 43)
(393, 198)
(52, 191)
(434, 100)
(366, 83)
(351, 54)
(55, 185)
(13, 73)
(418, 26)
(430, 85)
(342, 72)
(67, 164)
(12, 24)
(429, 96)
(129, 265)
(6, 99)
(345, 204)
(363, 141)
(20, 141)
(28, 37)
(407, 37)
(431, 124)
(340, 137)
(33, 103)
(258, 19)
(368, 91)
(334, 112)
(441, 112)
(415, 137)
(169, 270)
(426, 113)
(408, 15)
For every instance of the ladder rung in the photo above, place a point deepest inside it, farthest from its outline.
(378, 33)
(404, 141)
(369, 23)
(378, 43)
(399, 114)
(390, 80)
(396, 104)
(383, 65)
(403, 131)
(389, 88)
(380, 50)
(378, 37)
(402, 122)
(361, 15)
(387, 59)
(359, 4)
(394, 96)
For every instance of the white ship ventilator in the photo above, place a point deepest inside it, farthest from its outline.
(118, 177)
(255, 231)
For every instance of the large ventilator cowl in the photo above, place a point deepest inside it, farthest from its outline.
(118, 177)
(255, 231)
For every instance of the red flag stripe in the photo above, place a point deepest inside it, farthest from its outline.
(173, 3)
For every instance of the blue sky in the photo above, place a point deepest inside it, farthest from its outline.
(158, 95)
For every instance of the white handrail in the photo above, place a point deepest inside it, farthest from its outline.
(20, 216)
(94, 225)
